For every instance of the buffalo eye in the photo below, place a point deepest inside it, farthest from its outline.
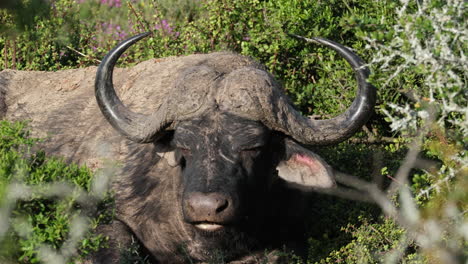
(182, 154)
(253, 151)
(185, 151)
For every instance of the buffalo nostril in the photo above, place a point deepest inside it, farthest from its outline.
(222, 205)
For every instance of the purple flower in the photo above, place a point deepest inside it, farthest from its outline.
(112, 3)
(113, 31)
(166, 28)
(120, 35)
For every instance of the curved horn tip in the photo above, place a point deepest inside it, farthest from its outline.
(346, 124)
(125, 121)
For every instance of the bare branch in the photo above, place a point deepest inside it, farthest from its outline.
(82, 54)
(379, 140)
(347, 193)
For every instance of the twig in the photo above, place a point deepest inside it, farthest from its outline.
(346, 193)
(435, 185)
(380, 234)
(352, 181)
(5, 53)
(348, 7)
(403, 172)
(412, 156)
(396, 254)
(377, 195)
(372, 140)
(368, 132)
(394, 180)
(138, 18)
(13, 56)
(82, 54)
(377, 169)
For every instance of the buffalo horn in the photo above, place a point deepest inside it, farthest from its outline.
(135, 126)
(343, 126)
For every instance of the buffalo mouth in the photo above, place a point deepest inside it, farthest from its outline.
(209, 226)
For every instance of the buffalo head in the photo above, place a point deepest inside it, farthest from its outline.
(232, 140)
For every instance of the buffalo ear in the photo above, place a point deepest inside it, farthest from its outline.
(304, 168)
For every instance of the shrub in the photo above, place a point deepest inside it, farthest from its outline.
(44, 203)
(427, 197)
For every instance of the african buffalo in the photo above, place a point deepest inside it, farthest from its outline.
(212, 156)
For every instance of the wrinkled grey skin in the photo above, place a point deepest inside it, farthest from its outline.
(197, 127)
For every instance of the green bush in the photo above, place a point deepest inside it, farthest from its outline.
(43, 198)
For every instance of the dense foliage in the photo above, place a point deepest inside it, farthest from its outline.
(78, 33)
(45, 198)
(415, 144)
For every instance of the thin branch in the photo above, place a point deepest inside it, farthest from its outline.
(403, 172)
(352, 181)
(381, 235)
(380, 140)
(394, 180)
(369, 134)
(377, 195)
(5, 53)
(377, 166)
(397, 253)
(348, 7)
(82, 54)
(346, 193)
(435, 185)
(13, 56)
(138, 18)
(411, 158)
